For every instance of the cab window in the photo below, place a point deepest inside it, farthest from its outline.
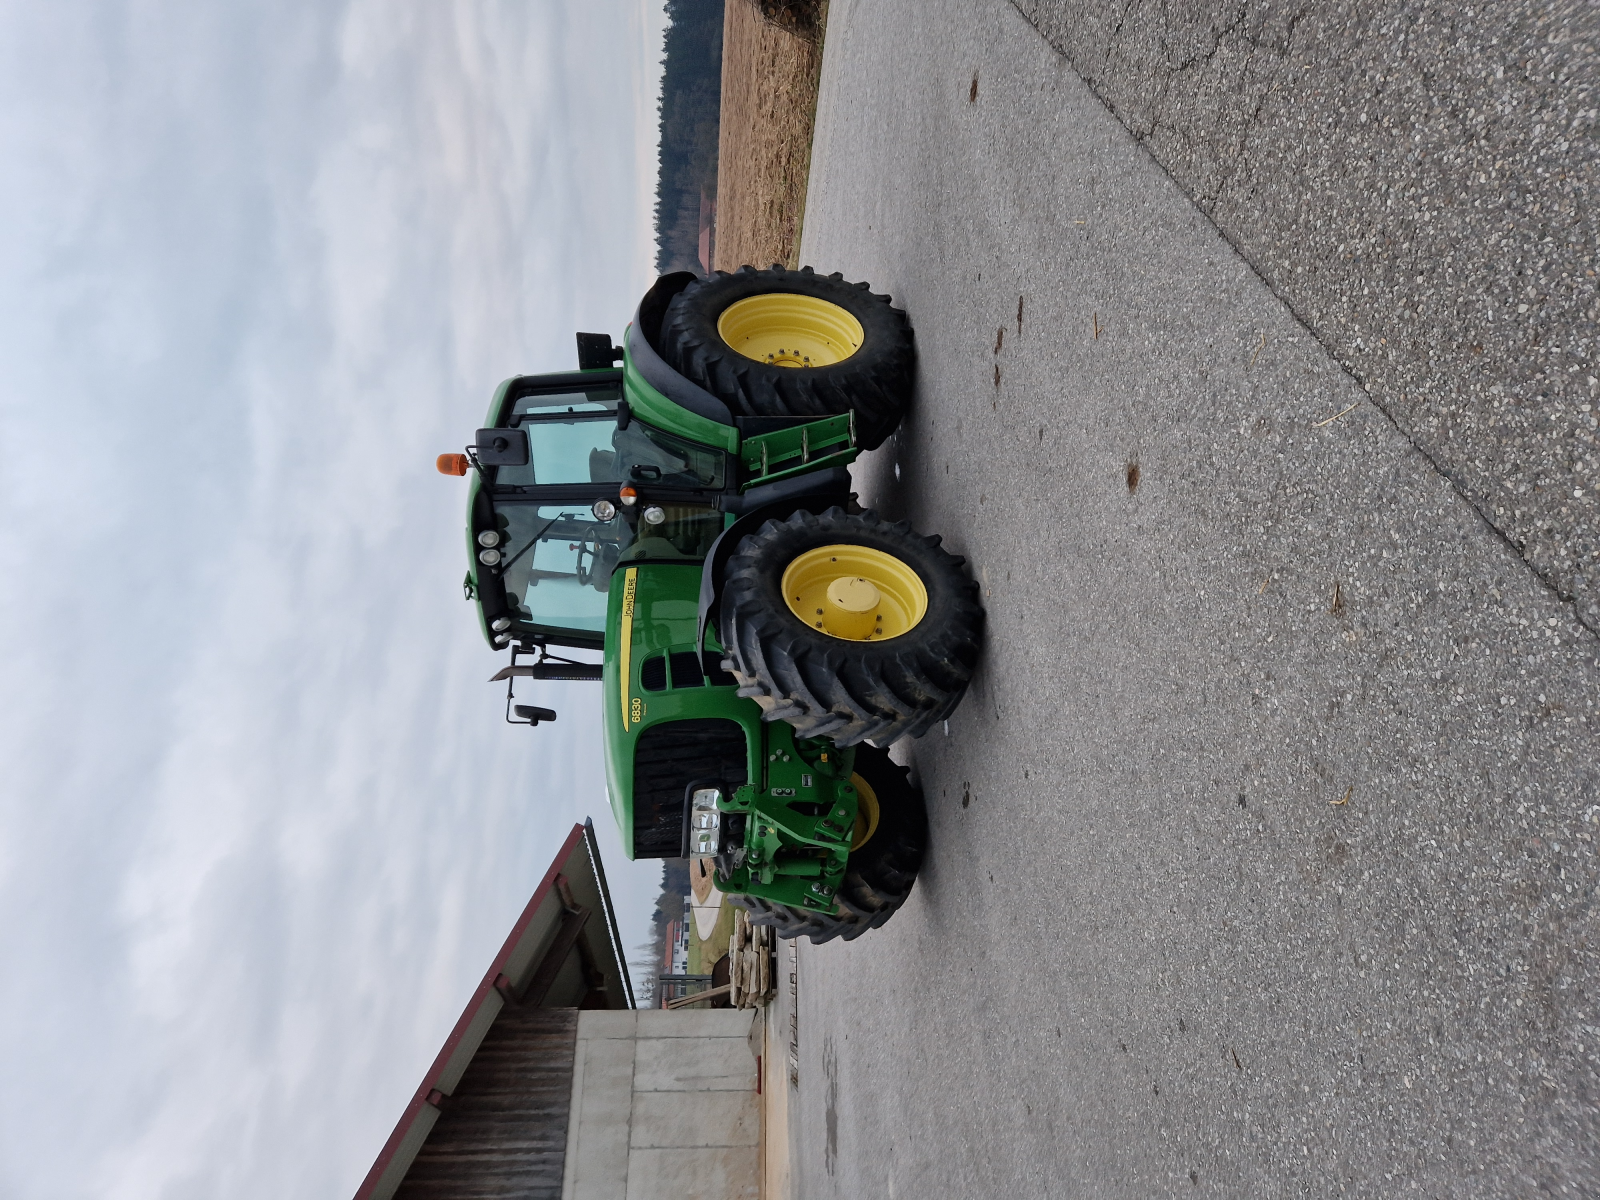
(574, 448)
(641, 454)
(602, 400)
(573, 439)
(564, 448)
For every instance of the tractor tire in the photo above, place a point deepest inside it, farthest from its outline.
(789, 922)
(873, 379)
(884, 862)
(892, 682)
(881, 868)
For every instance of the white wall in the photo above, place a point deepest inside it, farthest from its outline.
(663, 1107)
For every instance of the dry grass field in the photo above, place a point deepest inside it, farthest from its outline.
(769, 104)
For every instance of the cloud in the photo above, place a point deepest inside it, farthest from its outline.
(263, 827)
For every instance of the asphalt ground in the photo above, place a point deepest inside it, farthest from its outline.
(1417, 182)
(1263, 847)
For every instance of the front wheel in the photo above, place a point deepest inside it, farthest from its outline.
(780, 343)
(849, 627)
(886, 851)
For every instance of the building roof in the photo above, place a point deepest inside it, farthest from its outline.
(563, 952)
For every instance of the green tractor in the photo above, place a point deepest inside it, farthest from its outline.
(765, 640)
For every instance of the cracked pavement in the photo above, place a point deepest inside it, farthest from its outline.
(1417, 183)
(1262, 851)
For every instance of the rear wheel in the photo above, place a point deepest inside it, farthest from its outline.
(781, 343)
(885, 854)
(849, 627)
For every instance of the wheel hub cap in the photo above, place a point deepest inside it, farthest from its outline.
(866, 813)
(786, 330)
(854, 593)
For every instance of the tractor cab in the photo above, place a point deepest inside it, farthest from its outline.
(570, 485)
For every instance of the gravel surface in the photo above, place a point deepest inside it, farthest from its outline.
(1263, 848)
(1418, 183)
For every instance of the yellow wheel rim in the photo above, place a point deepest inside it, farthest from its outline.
(854, 593)
(866, 813)
(785, 330)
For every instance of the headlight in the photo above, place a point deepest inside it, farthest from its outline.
(705, 823)
(603, 510)
(502, 639)
(489, 537)
(501, 623)
(705, 836)
(654, 515)
(489, 557)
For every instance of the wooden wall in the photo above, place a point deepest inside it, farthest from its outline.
(503, 1131)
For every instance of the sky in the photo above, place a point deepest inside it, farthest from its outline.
(262, 826)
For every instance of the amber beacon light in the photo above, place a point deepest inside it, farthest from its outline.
(453, 464)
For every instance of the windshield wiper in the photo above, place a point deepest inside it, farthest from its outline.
(539, 533)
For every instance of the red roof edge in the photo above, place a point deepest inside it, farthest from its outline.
(479, 995)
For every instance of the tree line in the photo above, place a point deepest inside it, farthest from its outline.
(691, 107)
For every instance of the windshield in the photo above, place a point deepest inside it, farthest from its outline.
(558, 562)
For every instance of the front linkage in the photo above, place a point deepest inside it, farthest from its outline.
(787, 842)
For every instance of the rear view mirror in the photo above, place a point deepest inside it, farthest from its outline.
(503, 447)
(595, 351)
(544, 666)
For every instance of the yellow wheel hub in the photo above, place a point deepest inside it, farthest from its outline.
(785, 330)
(866, 813)
(855, 593)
